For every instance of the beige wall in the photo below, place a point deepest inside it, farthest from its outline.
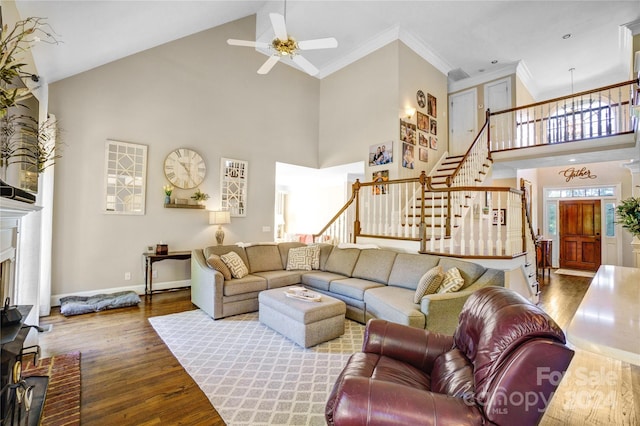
(195, 92)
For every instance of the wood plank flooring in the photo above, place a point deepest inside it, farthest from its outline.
(129, 377)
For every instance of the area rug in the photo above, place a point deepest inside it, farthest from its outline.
(62, 405)
(575, 273)
(253, 375)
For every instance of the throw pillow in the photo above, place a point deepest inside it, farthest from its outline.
(315, 250)
(451, 282)
(216, 263)
(428, 283)
(299, 259)
(235, 264)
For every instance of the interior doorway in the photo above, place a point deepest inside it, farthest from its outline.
(580, 236)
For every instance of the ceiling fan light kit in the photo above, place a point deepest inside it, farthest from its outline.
(285, 45)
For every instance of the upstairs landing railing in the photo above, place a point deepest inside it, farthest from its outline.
(586, 115)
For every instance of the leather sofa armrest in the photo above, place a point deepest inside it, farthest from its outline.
(365, 401)
(412, 345)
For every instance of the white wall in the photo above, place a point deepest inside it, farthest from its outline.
(195, 92)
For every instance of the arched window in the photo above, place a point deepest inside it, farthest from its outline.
(581, 119)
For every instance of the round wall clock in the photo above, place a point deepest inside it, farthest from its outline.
(421, 98)
(184, 168)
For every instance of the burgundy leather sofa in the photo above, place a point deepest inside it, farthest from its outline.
(500, 367)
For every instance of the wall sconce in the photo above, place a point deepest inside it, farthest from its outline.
(219, 217)
(409, 111)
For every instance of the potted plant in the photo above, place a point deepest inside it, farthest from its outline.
(629, 215)
(168, 189)
(199, 196)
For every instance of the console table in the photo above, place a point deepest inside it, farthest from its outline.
(607, 321)
(150, 259)
(545, 257)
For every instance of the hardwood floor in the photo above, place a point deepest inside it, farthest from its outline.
(129, 377)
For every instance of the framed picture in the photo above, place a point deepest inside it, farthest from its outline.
(423, 139)
(380, 176)
(499, 216)
(423, 121)
(433, 142)
(433, 126)
(407, 156)
(381, 154)
(432, 105)
(407, 132)
(423, 154)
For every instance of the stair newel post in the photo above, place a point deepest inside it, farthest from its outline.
(488, 120)
(356, 223)
(523, 199)
(423, 231)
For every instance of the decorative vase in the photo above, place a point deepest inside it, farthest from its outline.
(167, 199)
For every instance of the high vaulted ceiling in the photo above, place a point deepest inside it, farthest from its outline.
(452, 35)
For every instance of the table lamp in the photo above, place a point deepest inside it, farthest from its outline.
(219, 217)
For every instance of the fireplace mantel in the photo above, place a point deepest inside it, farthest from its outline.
(12, 209)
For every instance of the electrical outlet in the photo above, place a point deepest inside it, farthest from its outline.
(154, 274)
(266, 229)
(127, 276)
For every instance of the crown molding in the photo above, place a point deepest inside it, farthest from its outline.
(455, 86)
(423, 50)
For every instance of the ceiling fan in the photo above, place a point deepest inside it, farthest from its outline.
(285, 45)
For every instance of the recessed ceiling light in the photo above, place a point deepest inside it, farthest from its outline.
(495, 61)
(571, 160)
(566, 36)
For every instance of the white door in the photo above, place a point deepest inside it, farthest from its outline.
(611, 247)
(497, 95)
(464, 121)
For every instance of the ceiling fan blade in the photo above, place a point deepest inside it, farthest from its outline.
(305, 65)
(266, 67)
(279, 27)
(247, 43)
(320, 43)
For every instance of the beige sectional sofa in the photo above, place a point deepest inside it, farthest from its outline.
(374, 283)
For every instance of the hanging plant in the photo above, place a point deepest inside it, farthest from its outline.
(629, 215)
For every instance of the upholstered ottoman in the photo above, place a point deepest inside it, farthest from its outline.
(306, 323)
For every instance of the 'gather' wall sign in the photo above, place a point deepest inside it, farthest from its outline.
(572, 173)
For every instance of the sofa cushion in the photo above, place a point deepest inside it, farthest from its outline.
(235, 264)
(342, 261)
(325, 251)
(394, 304)
(470, 272)
(429, 283)
(301, 258)
(276, 279)
(409, 268)
(246, 284)
(284, 248)
(216, 263)
(264, 257)
(352, 287)
(374, 265)
(451, 282)
(320, 279)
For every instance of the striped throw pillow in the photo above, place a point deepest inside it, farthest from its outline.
(235, 264)
(428, 283)
(451, 282)
(216, 263)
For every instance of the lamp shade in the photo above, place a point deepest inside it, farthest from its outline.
(219, 217)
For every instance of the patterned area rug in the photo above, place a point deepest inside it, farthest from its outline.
(575, 273)
(62, 406)
(253, 375)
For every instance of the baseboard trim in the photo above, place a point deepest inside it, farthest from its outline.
(139, 289)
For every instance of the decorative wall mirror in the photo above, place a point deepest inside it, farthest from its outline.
(125, 178)
(233, 186)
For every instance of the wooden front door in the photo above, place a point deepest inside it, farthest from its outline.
(580, 234)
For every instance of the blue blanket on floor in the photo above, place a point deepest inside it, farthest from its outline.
(75, 305)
